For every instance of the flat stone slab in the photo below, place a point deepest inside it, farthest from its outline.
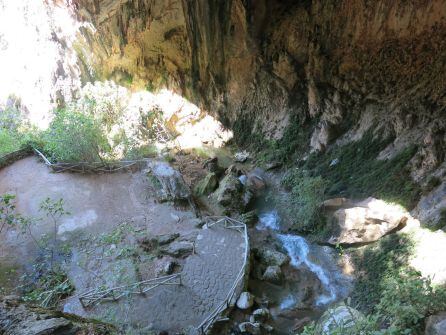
(207, 278)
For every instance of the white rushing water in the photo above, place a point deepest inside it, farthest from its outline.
(301, 254)
(269, 220)
(299, 250)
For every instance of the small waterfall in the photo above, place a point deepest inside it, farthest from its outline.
(269, 220)
(301, 253)
(298, 249)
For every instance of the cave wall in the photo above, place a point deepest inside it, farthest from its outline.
(269, 59)
(339, 67)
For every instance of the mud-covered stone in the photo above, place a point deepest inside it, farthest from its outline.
(178, 249)
(206, 185)
(270, 257)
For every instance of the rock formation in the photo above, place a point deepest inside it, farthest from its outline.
(332, 70)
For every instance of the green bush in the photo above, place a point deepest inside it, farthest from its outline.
(8, 142)
(307, 193)
(74, 136)
(390, 291)
(406, 301)
(294, 142)
(353, 170)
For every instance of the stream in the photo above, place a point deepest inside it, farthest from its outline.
(319, 260)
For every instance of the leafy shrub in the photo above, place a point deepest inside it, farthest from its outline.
(406, 301)
(50, 288)
(8, 142)
(293, 143)
(396, 298)
(375, 263)
(74, 136)
(307, 193)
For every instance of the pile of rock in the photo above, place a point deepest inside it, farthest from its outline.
(231, 190)
(268, 265)
(257, 319)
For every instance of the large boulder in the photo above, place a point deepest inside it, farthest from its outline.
(169, 183)
(342, 317)
(436, 324)
(229, 194)
(368, 221)
(255, 181)
(206, 185)
(431, 208)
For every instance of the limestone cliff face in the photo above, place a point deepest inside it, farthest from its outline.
(339, 67)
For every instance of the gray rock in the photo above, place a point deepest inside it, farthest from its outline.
(255, 181)
(165, 266)
(241, 157)
(368, 221)
(178, 249)
(206, 185)
(169, 182)
(230, 190)
(211, 165)
(234, 170)
(432, 207)
(245, 300)
(260, 315)
(47, 326)
(269, 257)
(273, 274)
(18, 318)
(229, 195)
(436, 324)
(151, 243)
(342, 316)
(253, 328)
(166, 238)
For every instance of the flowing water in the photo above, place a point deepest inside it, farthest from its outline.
(317, 259)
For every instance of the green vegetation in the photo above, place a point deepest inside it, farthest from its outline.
(377, 262)
(307, 193)
(47, 283)
(353, 170)
(395, 297)
(74, 136)
(15, 134)
(294, 142)
(50, 287)
(8, 142)
(7, 215)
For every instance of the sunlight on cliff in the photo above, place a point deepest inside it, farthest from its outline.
(36, 59)
(40, 72)
(163, 118)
